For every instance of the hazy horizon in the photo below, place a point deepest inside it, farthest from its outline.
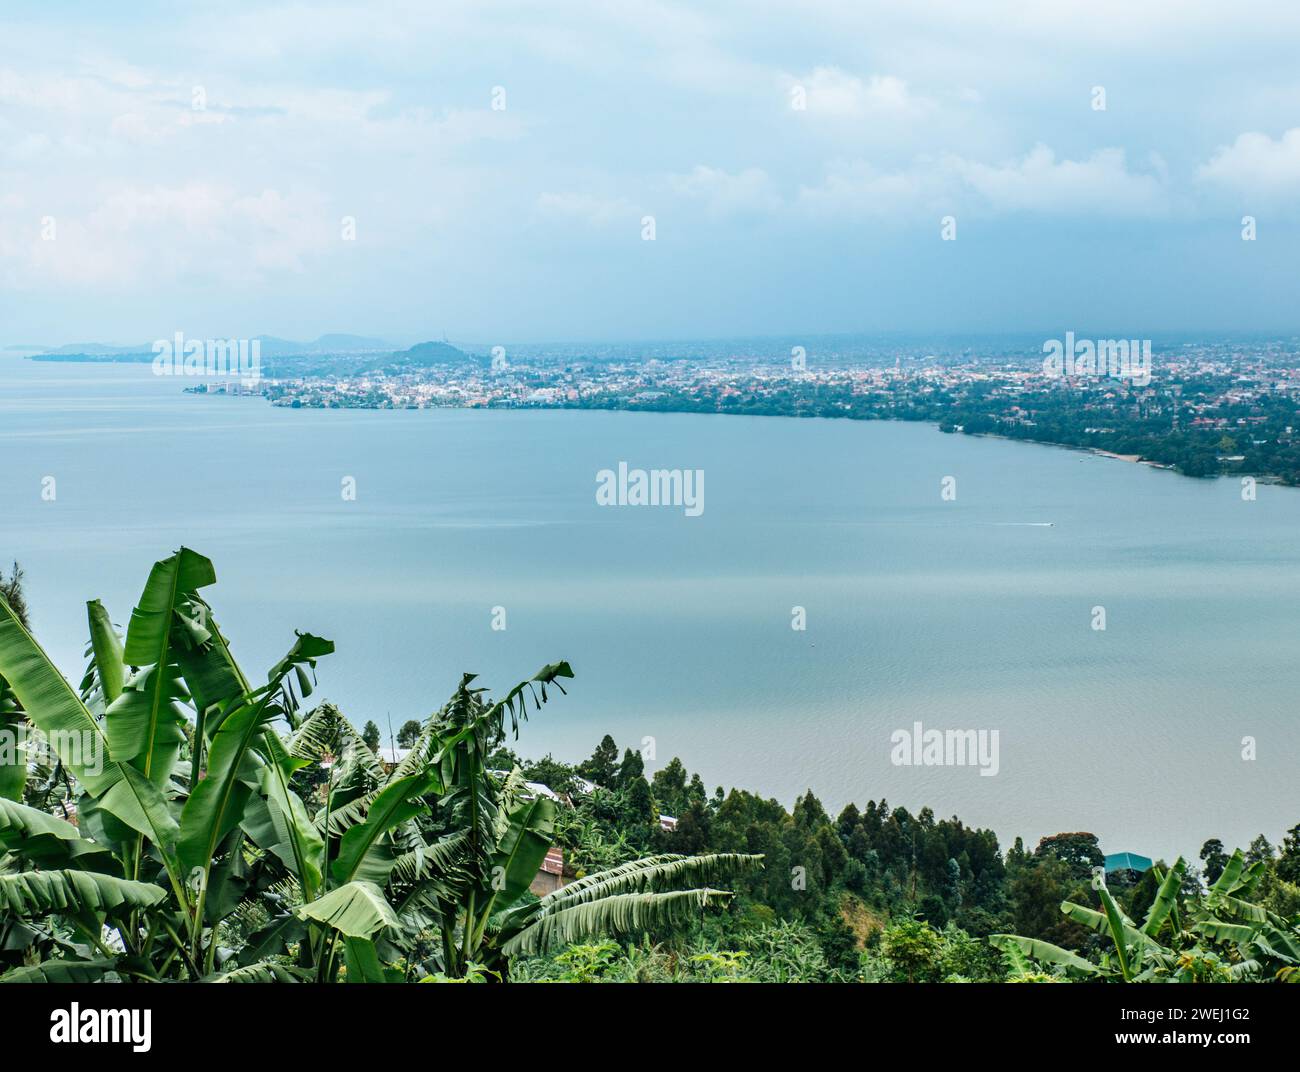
(1030, 338)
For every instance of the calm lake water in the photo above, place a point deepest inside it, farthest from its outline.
(971, 613)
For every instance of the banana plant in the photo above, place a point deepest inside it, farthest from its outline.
(498, 834)
(1199, 942)
(196, 857)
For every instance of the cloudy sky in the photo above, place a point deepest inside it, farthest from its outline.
(165, 171)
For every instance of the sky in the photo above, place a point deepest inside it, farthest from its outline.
(484, 171)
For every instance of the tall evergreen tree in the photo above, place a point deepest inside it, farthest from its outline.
(602, 767)
(631, 770)
(11, 588)
(1214, 859)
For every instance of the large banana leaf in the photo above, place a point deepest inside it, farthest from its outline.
(326, 730)
(148, 637)
(520, 853)
(1120, 928)
(106, 647)
(662, 872)
(264, 972)
(297, 842)
(38, 893)
(626, 913)
(235, 769)
(50, 842)
(363, 962)
(13, 745)
(1166, 899)
(145, 723)
(1100, 923)
(51, 704)
(1044, 951)
(1239, 909)
(1236, 876)
(357, 910)
(214, 678)
(363, 854)
(60, 971)
(1283, 944)
(1221, 931)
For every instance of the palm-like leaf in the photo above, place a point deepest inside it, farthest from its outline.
(48, 841)
(1166, 901)
(37, 893)
(625, 913)
(145, 722)
(1044, 951)
(662, 872)
(107, 668)
(357, 910)
(363, 852)
(52, 705)
(262, 972)
(235, 767)
(60, 971)
(1100, 922)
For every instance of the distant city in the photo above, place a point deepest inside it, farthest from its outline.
(1206, 408)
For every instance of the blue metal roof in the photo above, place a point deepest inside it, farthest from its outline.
(1127, 861)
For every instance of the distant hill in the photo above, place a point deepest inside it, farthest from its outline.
(99, 349)
(270, 346)
(433, 353)
(326, 344)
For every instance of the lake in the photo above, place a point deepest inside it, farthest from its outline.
(974, 612)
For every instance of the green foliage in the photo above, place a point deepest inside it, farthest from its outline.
(198, 856)
(914, 951)
(1215, 935)
(227, 834)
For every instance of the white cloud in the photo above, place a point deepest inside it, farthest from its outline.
(588, 209)
(1039, 182)
(1256, 163)
(835, 93)
(199, 231)
(726, 194)
(857, 188)
(1101, 185)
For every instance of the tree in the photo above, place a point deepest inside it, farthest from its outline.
(1288, 864)
(1214, 859)
(14, 759)
(1260, 850)
(668, 786)
(692, 832)
(11, 591)
(913, 950)
(1036, 896)
(408, 734)
(551, 773)
(1079, 851)
(371, 736)
(632, 769)
(602, 767)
